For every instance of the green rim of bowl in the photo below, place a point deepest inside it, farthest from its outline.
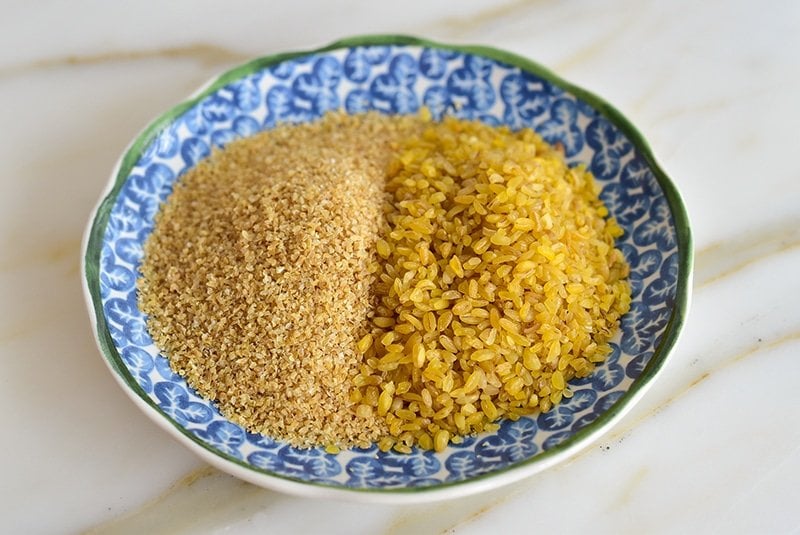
(97, 228)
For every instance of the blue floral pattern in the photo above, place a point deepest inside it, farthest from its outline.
(395, 79)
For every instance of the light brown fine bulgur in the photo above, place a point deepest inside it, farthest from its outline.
(256, 277)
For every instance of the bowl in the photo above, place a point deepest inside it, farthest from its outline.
(397, 75)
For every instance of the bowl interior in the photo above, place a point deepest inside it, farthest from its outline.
(395, 76)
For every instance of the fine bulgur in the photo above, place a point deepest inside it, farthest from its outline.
(383, 279)
(256, 277)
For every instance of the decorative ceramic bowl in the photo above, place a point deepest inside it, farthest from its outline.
(395, 75)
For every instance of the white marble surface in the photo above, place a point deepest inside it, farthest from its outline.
(713, 447)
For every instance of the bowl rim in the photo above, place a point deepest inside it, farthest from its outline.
(96, 227)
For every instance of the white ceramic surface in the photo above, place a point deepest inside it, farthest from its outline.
(712, 86)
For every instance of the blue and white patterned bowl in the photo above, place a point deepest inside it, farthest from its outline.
(396, 75)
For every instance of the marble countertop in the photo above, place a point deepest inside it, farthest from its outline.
(714, 446)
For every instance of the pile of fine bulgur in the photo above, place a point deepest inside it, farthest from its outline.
(256, 277)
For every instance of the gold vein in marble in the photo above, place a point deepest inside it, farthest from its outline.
(206, 53)
(52, 253)
(199, 496)
(629, 488)
(726, 258)
(10, 334)
(655, 87)
(446, 517)
(713, 105)
(598, 45)
(752, 350)
(485, 17)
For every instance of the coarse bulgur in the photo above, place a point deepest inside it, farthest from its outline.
(499, 283)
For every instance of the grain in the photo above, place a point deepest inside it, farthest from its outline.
(502, 282)
(257, 277)
(371, 279)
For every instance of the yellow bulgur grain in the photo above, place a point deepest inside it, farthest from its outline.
(522, 261)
